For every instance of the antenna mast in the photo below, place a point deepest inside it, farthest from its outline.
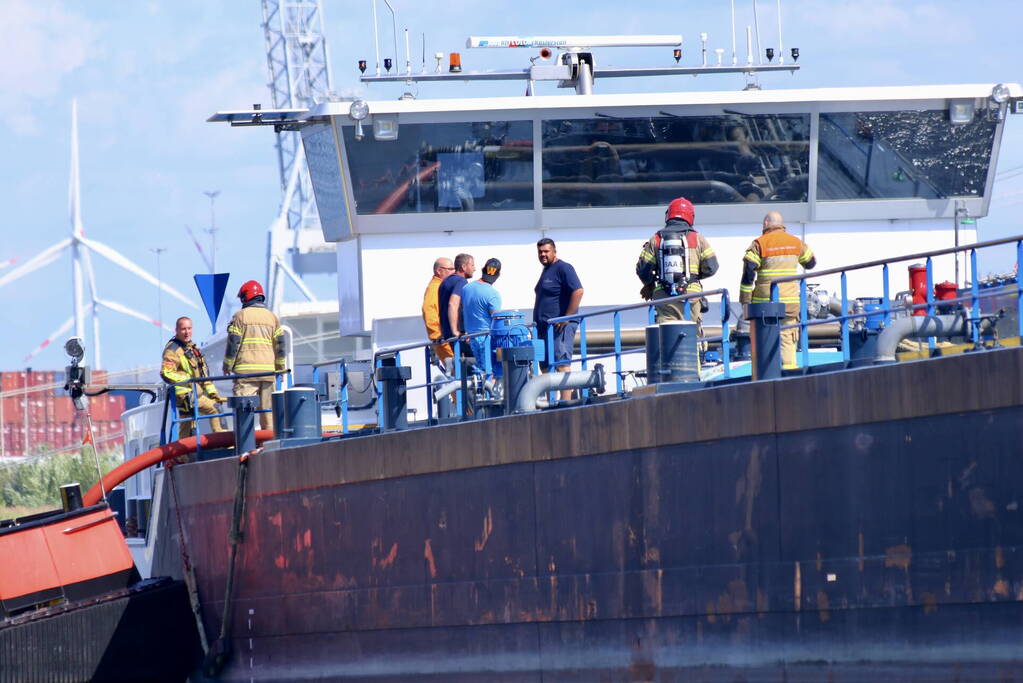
(299, 69)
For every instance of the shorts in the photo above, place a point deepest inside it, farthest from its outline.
(564, 342)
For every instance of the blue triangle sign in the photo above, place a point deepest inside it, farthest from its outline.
(211, 288)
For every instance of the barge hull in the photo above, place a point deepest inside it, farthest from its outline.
(858, 525)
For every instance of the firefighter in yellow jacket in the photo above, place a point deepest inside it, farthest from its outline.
(183, 360)
(675, 261)
(776, 254)
(255, 343)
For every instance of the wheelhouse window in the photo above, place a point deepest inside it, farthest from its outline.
(443, 167)
(723, 159)
(902, 155)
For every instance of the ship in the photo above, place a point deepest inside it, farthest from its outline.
(695, 513)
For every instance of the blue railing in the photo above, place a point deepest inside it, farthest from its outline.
(889, 307)
(171, 403)
(616, 325)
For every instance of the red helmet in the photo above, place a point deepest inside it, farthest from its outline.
(681, 208)
(249, 291)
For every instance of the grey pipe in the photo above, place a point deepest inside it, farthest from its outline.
(916, 327)
(446, 390)
(556, 381)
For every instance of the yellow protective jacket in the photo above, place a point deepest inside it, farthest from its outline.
(774, 254)
(183, 361)
(431, 309)
(702, 261)
(255, 342)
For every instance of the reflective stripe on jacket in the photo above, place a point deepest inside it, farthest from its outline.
(776, 254)
(702, 260)
(255, 342)
(185, 361)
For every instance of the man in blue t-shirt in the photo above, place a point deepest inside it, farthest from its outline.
(558, 293)
(449, 295)
(479, 302)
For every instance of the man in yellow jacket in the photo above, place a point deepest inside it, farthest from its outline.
(255, 343)
(442, 267)
(183, 360)
(776, 254)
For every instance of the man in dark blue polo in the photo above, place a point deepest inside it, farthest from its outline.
(558, 293)
(449, 296)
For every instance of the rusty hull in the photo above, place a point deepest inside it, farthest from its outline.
(851, 526)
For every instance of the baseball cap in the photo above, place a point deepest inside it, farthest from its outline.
(491, 270)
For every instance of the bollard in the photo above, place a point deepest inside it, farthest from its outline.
(302, 414)
(280, 415)
(515, 362)
(765, 337)
(653, 354)
(679, 355)
(245, 408)
(394, 403)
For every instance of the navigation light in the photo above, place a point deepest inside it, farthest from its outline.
(769, 53)
(678, 54)
(455, 63)
(388, 63)
(795, 54)
(1000, 93)
(362, 65)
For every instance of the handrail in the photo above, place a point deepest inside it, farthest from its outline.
(898, 259)
(643, 304)
(650, 305)
(194, 418)
(887, 309)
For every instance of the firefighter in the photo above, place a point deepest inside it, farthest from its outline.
(255, 343)
(776, 254)
(675, 261)
(183, 360)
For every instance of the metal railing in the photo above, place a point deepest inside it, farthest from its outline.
(888, 308)
(616, 322)
(171, 399)
(584, 358)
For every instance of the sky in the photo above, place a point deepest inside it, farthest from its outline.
(147, 74)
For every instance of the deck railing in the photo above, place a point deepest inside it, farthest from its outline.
(889, 307)
(171, 404)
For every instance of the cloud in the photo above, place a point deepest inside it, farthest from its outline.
(48, 43)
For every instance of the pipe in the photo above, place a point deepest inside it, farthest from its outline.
(161, 454)
(916, 327)
(554, 381)
(446, 390)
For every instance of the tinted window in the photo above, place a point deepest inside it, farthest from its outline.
(650, 161)
(443, 167)
(902, 154)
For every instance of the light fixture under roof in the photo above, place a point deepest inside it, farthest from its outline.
(961, 111)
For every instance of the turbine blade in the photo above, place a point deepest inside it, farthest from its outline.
(205, 258)
(45, 257)
(121, 308)
(119, 260)
(63, 329)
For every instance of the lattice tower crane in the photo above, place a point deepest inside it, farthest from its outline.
(299, 69)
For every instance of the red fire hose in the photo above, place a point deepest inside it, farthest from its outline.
(162, 453)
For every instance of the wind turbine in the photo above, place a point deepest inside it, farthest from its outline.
(82, 272)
